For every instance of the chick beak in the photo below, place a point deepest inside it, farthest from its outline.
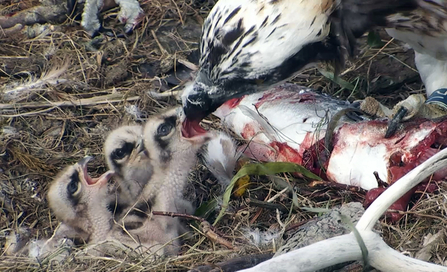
(140, 150)
(140, 146)
(103, 179)
(84, 161)
(192, 131)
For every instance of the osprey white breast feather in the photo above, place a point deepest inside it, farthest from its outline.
(248, 31)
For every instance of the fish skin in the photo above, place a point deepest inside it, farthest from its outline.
(309, 111)
(288, 123)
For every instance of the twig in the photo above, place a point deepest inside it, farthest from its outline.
(337, 186)
(278, 195)
(266, 205)
(156, 95)
(162, 50)
(373, 56)
(207, 230)
(186, 216)
(188, 64)
(179, 13)
(96, 100)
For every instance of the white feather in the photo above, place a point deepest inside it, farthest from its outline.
(261, 238)
(220, 157)
(289, 32)
(17, 90)
(433, 71)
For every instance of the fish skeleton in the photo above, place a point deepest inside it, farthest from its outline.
(289, 122)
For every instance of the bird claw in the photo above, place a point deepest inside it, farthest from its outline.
(416, 106)
(355, 114)
(131, 14)
(128, 29)
(413, 104)
(394, 123)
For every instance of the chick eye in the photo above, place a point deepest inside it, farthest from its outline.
(73, 187)
(125, 150)
(164, 129)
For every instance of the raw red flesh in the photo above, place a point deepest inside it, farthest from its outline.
(233, 102)
(402, 160)
(275, 151)
(285, 135)
(192, 128)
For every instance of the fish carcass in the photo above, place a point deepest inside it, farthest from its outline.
(289, 122)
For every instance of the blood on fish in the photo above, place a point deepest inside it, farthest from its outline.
(286, 154)
(248, 131)
(315, 159)
(232, 103)
(359, 149)
(278, 96)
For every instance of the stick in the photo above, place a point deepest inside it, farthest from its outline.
(96, 100)
(266, 205)
(399, 188)
(344, 249)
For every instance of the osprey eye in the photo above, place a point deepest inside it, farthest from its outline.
(125, 150)
(73, 186)
(119, 154)
(164, 129)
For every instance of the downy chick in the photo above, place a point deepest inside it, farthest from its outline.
(172, 158)
(82, 203)
(85, 206)
(127, 157)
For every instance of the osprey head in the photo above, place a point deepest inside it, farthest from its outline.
(248, 46)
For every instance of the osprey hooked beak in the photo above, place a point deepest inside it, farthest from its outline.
(202, 98)
(197, 104)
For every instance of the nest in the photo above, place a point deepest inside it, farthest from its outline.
(78, 89)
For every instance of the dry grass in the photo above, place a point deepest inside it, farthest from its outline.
(54, 126)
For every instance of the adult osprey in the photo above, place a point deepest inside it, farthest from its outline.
(249, 45)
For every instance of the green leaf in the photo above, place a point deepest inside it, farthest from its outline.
(359, 239)
(374, 40)
(262, 169)
(330, 75)
(206, 208)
